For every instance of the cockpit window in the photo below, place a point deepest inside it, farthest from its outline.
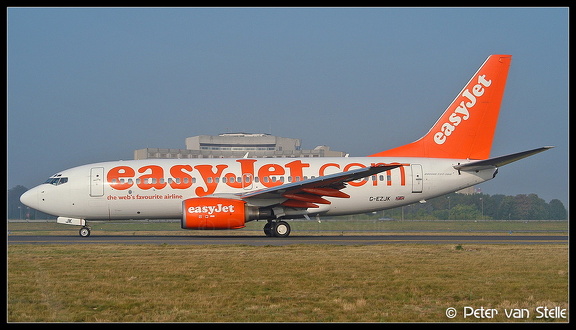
(56, 180)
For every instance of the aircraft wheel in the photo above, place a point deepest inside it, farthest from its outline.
(84, 231)
(281, 229)
(268, 229)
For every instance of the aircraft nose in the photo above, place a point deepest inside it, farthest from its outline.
(30, 198)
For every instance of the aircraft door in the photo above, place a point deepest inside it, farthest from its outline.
(97, 181)
(417, 178)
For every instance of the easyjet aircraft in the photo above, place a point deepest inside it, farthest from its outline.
(227, 193)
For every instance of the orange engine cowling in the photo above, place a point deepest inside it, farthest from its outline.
(217, 213)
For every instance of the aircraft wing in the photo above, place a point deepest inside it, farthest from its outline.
(498, 161)
(309, 193)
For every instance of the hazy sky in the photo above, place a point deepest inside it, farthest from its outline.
(94, 84)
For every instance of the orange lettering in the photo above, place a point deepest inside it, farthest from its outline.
(402, 174)
(121, 177)
(246, 167)
(209, 178)
(355, 183)
(177, 172)
(296, 168)
(375, 182)
(323, 168)
(154, 179)
(268, 170)
(117, 173)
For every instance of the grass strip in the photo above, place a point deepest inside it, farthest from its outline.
(297, 283)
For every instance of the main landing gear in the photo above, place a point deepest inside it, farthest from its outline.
(277, 229)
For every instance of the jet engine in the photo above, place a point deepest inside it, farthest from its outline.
(219, 213)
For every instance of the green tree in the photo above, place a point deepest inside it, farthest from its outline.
(465, 212)
(556, 210)
(529, 207)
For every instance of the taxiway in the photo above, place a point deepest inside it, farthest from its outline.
(272, 241)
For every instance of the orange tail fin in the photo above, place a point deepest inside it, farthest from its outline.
(466, 129)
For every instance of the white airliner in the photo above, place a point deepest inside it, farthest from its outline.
(227, 193)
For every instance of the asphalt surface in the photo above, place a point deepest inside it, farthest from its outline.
(293, 239)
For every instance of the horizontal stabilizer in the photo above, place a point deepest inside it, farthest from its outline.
(498, 161)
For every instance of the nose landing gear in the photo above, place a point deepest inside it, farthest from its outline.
(277, 229)
(84, 231)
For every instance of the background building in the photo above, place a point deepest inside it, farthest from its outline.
(236, 145)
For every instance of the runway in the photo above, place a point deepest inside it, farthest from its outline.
(313, 240)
